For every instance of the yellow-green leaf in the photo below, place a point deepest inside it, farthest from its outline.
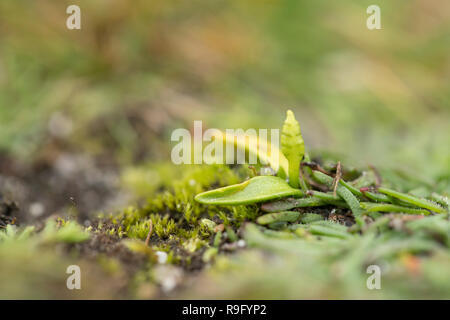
(257, 189)
(264, 151)
(293, 147)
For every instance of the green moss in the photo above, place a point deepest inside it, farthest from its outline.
(63, 231)
(180, 226)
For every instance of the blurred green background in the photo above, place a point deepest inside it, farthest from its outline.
(139, 69)
(86, 115)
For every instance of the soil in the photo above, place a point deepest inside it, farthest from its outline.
(66, 184)
(111, 247)
(8, 210)
(63, 179)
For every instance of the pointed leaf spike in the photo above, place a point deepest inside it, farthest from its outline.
(293, 147)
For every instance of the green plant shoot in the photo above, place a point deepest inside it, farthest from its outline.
(293, 147)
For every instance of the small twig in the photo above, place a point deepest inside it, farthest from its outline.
(253, 170)
(337, 177)
(150, 230)
(302, 179)
(315, 184)
(315, 166)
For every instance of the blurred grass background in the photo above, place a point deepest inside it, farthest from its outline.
(139, 69)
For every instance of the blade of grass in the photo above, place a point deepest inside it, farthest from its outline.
(286, 216)
(328, 198)
(422, 203)
(287, 204)
(387, 207)
(345, 194)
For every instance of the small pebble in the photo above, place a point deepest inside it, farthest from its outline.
(168, 277)
(241, 243)
(162, 256)
(37, 209)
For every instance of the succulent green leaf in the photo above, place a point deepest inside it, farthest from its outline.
(422, 203)
(344, 193)
(257, 189)
(387, 207)
(290, 203)
(311, 217)
(321, 230)
(284, 216)
(293, 147)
